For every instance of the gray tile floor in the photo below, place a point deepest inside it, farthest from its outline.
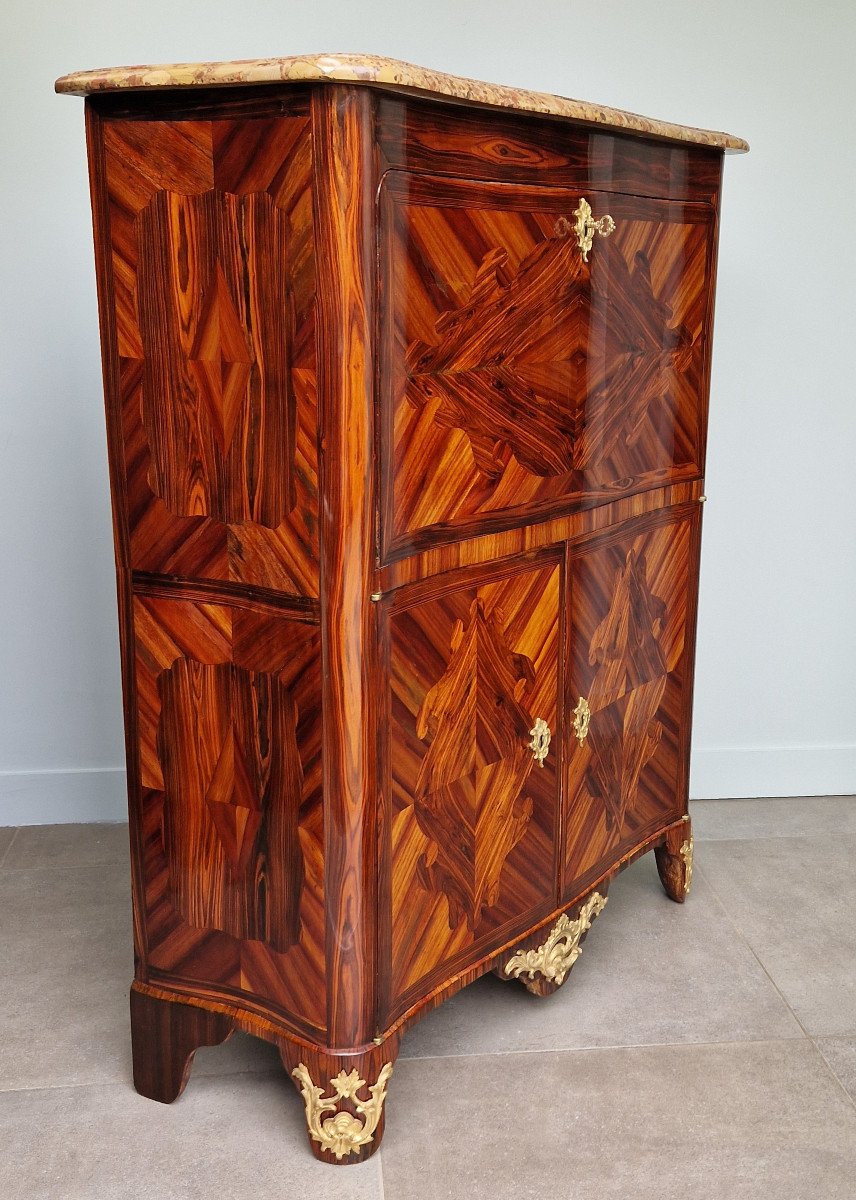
(705, 1051)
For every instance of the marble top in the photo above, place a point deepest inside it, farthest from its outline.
(385, 72)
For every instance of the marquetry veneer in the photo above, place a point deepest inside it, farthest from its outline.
(406, 400)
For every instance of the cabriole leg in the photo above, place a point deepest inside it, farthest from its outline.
(343, 1097)
(675, 861)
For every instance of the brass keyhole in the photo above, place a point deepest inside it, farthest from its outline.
(540, 744)
(586, 226)
(582, 719)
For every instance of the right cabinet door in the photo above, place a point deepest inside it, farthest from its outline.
(631, 626)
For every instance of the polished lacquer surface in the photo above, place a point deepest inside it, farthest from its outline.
(519, 380)
(473, 816)
(228, 712)
(214, 290)
(406, 407)
(631, 630)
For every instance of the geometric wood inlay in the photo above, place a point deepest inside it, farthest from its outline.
(469, 798)
(522, 381)
(497, 398)
(213, 295)
(233, 780)
(342, 812)
(228, 734)
(629, 638)
(472, 831)
(216, 386)
(627, 689)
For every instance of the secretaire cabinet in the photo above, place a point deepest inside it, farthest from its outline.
(406, 382)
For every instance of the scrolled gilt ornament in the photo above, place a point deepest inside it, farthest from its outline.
(343, 1133)
(540, 744)
(686, 853)
(586, 227)
(555, 957)
(582, 719)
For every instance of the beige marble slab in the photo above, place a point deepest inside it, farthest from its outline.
(388, 72)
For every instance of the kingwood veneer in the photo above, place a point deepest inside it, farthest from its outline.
(406, 383)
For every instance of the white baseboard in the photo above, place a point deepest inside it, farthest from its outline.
(63, 797)
(741, 771)
(98, 793)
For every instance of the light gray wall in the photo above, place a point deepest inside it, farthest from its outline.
(775, 708)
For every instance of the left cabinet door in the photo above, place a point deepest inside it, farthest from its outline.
(210, 295)
(229, 814)
(468, 851)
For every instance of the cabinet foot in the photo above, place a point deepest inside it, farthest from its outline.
(675, 861)
(545, 967)
(538, 985)
(164, 1038)
(343, 1096)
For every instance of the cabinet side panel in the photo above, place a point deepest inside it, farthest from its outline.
(342, 120)
(211, 254)
(228, 709)
(205, 271)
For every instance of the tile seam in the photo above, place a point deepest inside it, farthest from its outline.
(731, 920)
(59, 866)
(5, 854)
(851, 1098)
(126, 1084)
(798, 1039)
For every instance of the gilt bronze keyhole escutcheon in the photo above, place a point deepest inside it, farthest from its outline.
(586, 226)
(582, 718)
(540, 744)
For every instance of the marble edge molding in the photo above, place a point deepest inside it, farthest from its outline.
(389, 72)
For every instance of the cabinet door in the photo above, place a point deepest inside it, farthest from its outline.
(470, 850)
(229, 815)
(632, 621)
(519, 380)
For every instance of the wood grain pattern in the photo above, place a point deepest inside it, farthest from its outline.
(519, 381)
(228, 707)
(210, 225)
(228, 736)
(164, 1039)
(472, 824)
(202, 398)
(530, 540)
(461, 976)
(394, 475)
(343, 190)
(437, 138)
(629, 634)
